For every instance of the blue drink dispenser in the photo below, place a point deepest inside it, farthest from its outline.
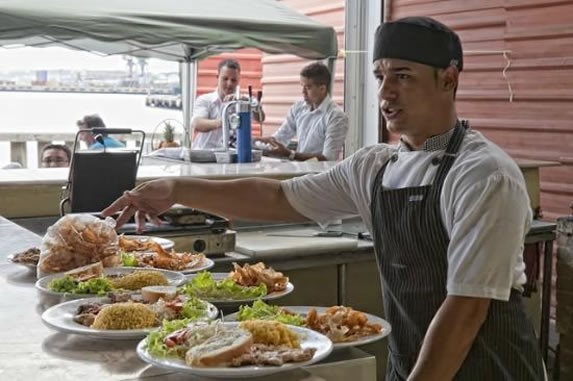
(244, 142)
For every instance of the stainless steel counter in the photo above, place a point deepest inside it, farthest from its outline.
(31, 351)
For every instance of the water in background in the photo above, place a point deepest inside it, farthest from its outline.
(58, 112)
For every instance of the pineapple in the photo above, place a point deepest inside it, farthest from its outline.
(168, 139)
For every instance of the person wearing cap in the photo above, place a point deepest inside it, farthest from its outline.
(447, 209)
(95, 121)
(207, 121)
(319, 125)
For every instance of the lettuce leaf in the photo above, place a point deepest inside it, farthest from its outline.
(155, 339)
(263, 311)
(128, 260)
(204, 286)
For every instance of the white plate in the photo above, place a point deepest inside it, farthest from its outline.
(61, 318)
(372, 319)
(165, 243)
(206, 265)
(307, 339)
(235, 302)
(50, 297)
(31, 267)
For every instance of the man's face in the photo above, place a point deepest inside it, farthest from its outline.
(409, 95)
(227, 81)
(312, 93)
(54, 158)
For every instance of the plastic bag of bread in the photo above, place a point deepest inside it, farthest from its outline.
(77, 240)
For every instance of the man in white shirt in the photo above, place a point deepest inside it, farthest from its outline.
(448, 211)
(318, 124)
(207, 120)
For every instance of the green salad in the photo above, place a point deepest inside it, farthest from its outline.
(263, 311)
(204, 286)
(194, 308)
(156, 338)
(97, 286)
(128, 260)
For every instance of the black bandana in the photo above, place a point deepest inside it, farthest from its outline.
(419, 39)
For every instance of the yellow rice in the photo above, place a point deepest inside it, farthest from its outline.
(271, 332)
(140, 279)
(124, 316)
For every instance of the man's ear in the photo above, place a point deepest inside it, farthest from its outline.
(450, 77)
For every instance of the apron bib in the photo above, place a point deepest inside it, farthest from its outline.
(411, 245)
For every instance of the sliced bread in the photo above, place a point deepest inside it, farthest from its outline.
(220, 349)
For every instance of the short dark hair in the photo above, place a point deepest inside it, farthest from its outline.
(230, 63)
(91, 121)
(318, 72)
(60, 147)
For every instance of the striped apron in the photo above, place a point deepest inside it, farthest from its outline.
(411, 247)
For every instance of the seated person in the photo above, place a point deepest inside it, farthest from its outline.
(207, 119)
(319, 125)
(92, 121)
(56, 156)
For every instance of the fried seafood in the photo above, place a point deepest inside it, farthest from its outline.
(28, 257)
(148, 253)
(253, 275)
(77, 240)
(341, 324)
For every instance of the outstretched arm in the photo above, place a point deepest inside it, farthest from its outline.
(249, 199)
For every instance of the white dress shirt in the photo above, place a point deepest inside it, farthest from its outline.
(208, 106)
(484, 205)
(321, 130)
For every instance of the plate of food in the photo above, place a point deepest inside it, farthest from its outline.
(345, 326)
(233, 350)
(242, 285)
(28, 258)
(124, 316)
(143, 242)
(151, 253)
(95, 280)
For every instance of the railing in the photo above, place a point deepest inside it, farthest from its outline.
(24, 148)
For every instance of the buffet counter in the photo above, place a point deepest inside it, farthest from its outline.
(29, 350)
(36, 192)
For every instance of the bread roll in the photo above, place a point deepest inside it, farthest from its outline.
(152, 294)
(220, 349)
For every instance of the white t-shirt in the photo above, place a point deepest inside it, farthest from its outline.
(484, 205)
(321, 130)
(208, 106)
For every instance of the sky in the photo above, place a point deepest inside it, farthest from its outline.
(53, 58)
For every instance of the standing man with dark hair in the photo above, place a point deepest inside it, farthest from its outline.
(95, 121)
(56, 156)
(318, 124)
(448, 211)
(207, 120)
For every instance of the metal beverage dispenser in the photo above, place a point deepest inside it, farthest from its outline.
(244, 143)
(240, 121)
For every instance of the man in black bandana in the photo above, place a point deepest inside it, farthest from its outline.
(448, 211)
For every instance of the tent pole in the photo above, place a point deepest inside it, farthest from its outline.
(188, 70)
